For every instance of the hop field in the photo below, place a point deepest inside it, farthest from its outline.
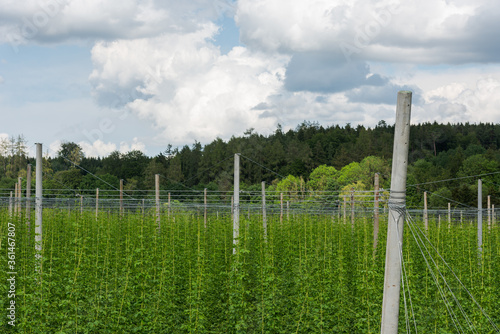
(309, 274)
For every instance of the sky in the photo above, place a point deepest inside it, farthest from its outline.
(142, 74)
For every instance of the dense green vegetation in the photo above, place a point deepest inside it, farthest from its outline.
(312, 274)
(353, 155)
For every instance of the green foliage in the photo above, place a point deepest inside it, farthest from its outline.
(308, 274)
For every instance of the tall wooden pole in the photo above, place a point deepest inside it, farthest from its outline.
(19, 190)
(96, 202)
(480, 216)
(205, 206)
(397, 207)
(264, 218)
(375, 213)
(352, 206)
(121, 196)
(157, 199)
(38, 207)
(169, 205)
(426, 214)
(16, 197)
(281, 207)
(489, 212)
(449, 215)
(236, 198)
(10, 205)
(28, 197)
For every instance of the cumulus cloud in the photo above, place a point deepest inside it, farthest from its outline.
(62, 20)
(424, 31)
(101, 149)
(185, 86)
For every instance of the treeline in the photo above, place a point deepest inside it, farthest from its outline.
(311, 157)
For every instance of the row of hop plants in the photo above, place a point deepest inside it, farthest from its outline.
(309, 274)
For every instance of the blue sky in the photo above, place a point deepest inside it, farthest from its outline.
(140, 74)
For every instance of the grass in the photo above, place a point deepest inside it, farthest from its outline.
(309, 274)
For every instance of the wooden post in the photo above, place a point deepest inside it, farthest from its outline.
(28, 198)
(281, 206)
(16, 197)
(287, 210)
(480, 216)
(157, 200)
(96, 202)
(10, 205)
(236, 214)
(264, 218)
(397, 208)
(121, 197)
(205, 206)
(489, 212)
(426, 214)
(375, 213)
(38, 208)
(81, 204)
(352, 206)
(169, 205)
(449, 215)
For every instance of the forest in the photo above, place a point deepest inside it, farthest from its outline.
(444, 159)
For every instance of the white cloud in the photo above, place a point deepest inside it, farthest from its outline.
(97, 149)
(2, 80)
(101, 149)
(185, 86)
(136, 145)
(62, 20)
(425, 31)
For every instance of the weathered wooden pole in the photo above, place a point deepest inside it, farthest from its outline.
(426, 214)
(169, 205)
(281, 206)
(489, 212)
(264, 218)
(493, 214)
(19, 196)
(236, 198)
(10, 205)
(352, 206)
(121, 197)
(38, 207)
(157, 200)
(449, 215)
(28, 197)
(397, 208)
(205, 207)
(480, 216)
(16, 197)
(375, 212)
(96, 202)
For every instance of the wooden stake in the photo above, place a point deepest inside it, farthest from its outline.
(96, 202)
(426, 215)
(264, 218)
(375, 214)
(236, 214)
(157, 200)
(121, 197)
(28, 198)
(397, 207)
(205, 205)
